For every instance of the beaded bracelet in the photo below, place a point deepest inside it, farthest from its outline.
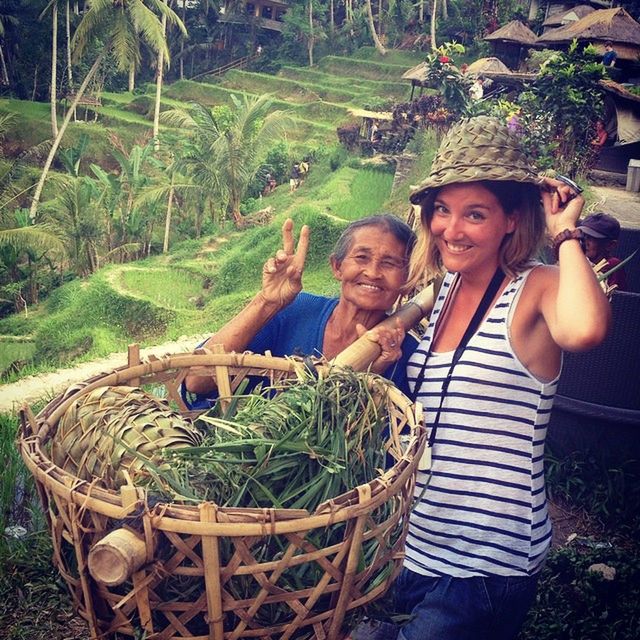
(567, 234)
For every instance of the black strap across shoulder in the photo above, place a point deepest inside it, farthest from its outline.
(474, 323)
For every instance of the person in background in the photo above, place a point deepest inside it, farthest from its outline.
(600, 233)
(370, 260)
(601, 135)
(303, 171)
(486, 372)
(610, 56)
(476, 91)
(294, 179)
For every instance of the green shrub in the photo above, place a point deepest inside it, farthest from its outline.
(576, 603)
(611, 494)
(337, 158)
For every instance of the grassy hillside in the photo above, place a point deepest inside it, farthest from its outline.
(200, 284)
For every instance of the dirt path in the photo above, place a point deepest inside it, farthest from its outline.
(624, 205)
(48, 385)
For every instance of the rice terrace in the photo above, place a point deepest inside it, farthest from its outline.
(172, 170)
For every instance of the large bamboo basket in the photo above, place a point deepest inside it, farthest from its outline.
(146, 549)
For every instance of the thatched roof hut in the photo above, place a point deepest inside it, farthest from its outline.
(488, 67)
(604, 25)
(417, 73)
(418, 76)
(514, 31)
(567, 16)
(622, 117)
(510, 42)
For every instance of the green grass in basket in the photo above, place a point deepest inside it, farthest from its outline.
(310, 442)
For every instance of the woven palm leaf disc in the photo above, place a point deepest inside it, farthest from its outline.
(116, 429)
(480, 148)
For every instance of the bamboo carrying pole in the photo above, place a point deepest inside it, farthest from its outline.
(365, 350)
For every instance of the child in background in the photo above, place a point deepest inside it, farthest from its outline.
(600, 233)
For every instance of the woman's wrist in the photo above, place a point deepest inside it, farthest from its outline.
(568, 233)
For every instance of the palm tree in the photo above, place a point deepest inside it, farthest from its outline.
(123, 24)
(53, 5)
(74, 213)
(22, 249)
(223, 158)
(129, 220)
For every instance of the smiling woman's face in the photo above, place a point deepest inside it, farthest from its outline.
(468, 225)
(374, 269)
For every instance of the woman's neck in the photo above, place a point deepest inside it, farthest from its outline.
(477, 281)
(341, 331)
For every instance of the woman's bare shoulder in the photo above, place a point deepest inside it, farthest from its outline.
(542, 276)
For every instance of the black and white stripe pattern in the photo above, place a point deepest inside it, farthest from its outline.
(484, 511)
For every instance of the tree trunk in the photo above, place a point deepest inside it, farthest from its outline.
(54, 62)
(184, 18)
(421, 12)
(3, 68)
(69, 66)
(434, 9)
(331, 18)
(372, 27)
(445, 9)
(167, 221)
(310, 40)
(132, 77)
(159, 77)
(35, 84)
(56, 143)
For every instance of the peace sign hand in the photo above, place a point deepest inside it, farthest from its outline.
(282, 274)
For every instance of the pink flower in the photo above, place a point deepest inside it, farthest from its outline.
(444, 59)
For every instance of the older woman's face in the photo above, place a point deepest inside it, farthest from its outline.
(374, 269)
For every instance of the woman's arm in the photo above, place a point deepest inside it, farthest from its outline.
(281, 283)
(573, 304)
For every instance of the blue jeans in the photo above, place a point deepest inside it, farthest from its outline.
(463, 608)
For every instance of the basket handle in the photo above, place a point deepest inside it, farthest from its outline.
(360, 354)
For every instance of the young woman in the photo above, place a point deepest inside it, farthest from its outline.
(486, 372)
(370, 260)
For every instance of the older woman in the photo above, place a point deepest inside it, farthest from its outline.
(370, 260)
(486, 372)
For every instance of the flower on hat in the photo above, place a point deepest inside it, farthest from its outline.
(444, 59)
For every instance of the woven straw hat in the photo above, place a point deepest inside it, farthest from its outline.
(480, 148)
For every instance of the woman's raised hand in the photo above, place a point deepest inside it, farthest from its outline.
(562, 205)
(282, 274)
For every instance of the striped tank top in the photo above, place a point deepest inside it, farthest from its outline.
(484, 511)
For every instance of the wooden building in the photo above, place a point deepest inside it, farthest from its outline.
(268, 14)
